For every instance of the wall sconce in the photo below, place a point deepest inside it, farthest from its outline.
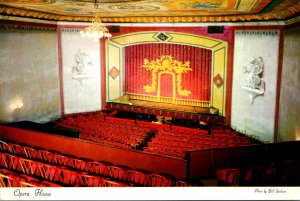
(19, 106)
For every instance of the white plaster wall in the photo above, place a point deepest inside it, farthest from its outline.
(258, 118)
(289, 106)
(29, 75)
(80, 97)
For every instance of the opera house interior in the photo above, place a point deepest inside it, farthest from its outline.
(149, 93)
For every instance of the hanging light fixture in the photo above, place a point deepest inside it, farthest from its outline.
(97, 30)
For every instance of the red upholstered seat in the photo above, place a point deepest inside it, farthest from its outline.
(27, 178)
(117, 172)
(29, 167)
(28, 181)
(109, 183)
(16, 149)
(8, 181)
(48, 184)
(157, 180)
(78, 164)
(48, 157)
(229, 176)
(181, 183)
(10, 162)
(62, 160)
(5, 171)
(97, 168)
(4, 147)
(32, 153)
(48, 172)
(90, 181)
(68, 177)
(138, 178)
(27, 184)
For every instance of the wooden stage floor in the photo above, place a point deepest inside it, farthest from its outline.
(150, 105)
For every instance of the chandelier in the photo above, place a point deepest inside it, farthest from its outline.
(97, 30)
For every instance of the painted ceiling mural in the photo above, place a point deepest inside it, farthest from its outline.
(153, 10)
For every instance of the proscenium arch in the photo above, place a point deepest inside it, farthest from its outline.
(115, 58)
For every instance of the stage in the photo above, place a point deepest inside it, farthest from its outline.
(206, 114)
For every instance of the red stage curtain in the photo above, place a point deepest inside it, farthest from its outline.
(198, 81)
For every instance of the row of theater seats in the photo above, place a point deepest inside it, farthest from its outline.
(62, 170)
(12, 179)
(268, 173)
(94, 127)
(174, 143)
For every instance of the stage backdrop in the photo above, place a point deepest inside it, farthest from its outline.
(168, 70)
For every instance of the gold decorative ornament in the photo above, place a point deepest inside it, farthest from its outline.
(166, 65)
(275, 15)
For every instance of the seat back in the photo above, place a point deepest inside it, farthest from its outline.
(157, 180)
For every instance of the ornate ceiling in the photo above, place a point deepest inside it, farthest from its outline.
(154, 10)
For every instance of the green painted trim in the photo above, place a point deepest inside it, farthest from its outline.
(120, 69)
(112, 40)
(223, 77)
(107, 76)
(113, 45)
(171, 35)
(193, 35)
(219, 49)
(271, 5)
(192, 44)
(224, 82)
(256, 4)
(142, 42)
(120, 75)
(237, 4)
(155, 36)
(212, 79)
(216, 45)
(197, 36)
(136, 33)
(133, 34)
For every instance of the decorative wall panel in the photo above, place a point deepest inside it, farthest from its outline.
(257, 118)
(114, 54)
(81, 72)
(289, 107)
(29, 78)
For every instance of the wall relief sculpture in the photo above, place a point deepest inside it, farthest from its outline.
(82, 68)
(255, 86)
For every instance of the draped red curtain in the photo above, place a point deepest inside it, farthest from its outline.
(197, 81)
